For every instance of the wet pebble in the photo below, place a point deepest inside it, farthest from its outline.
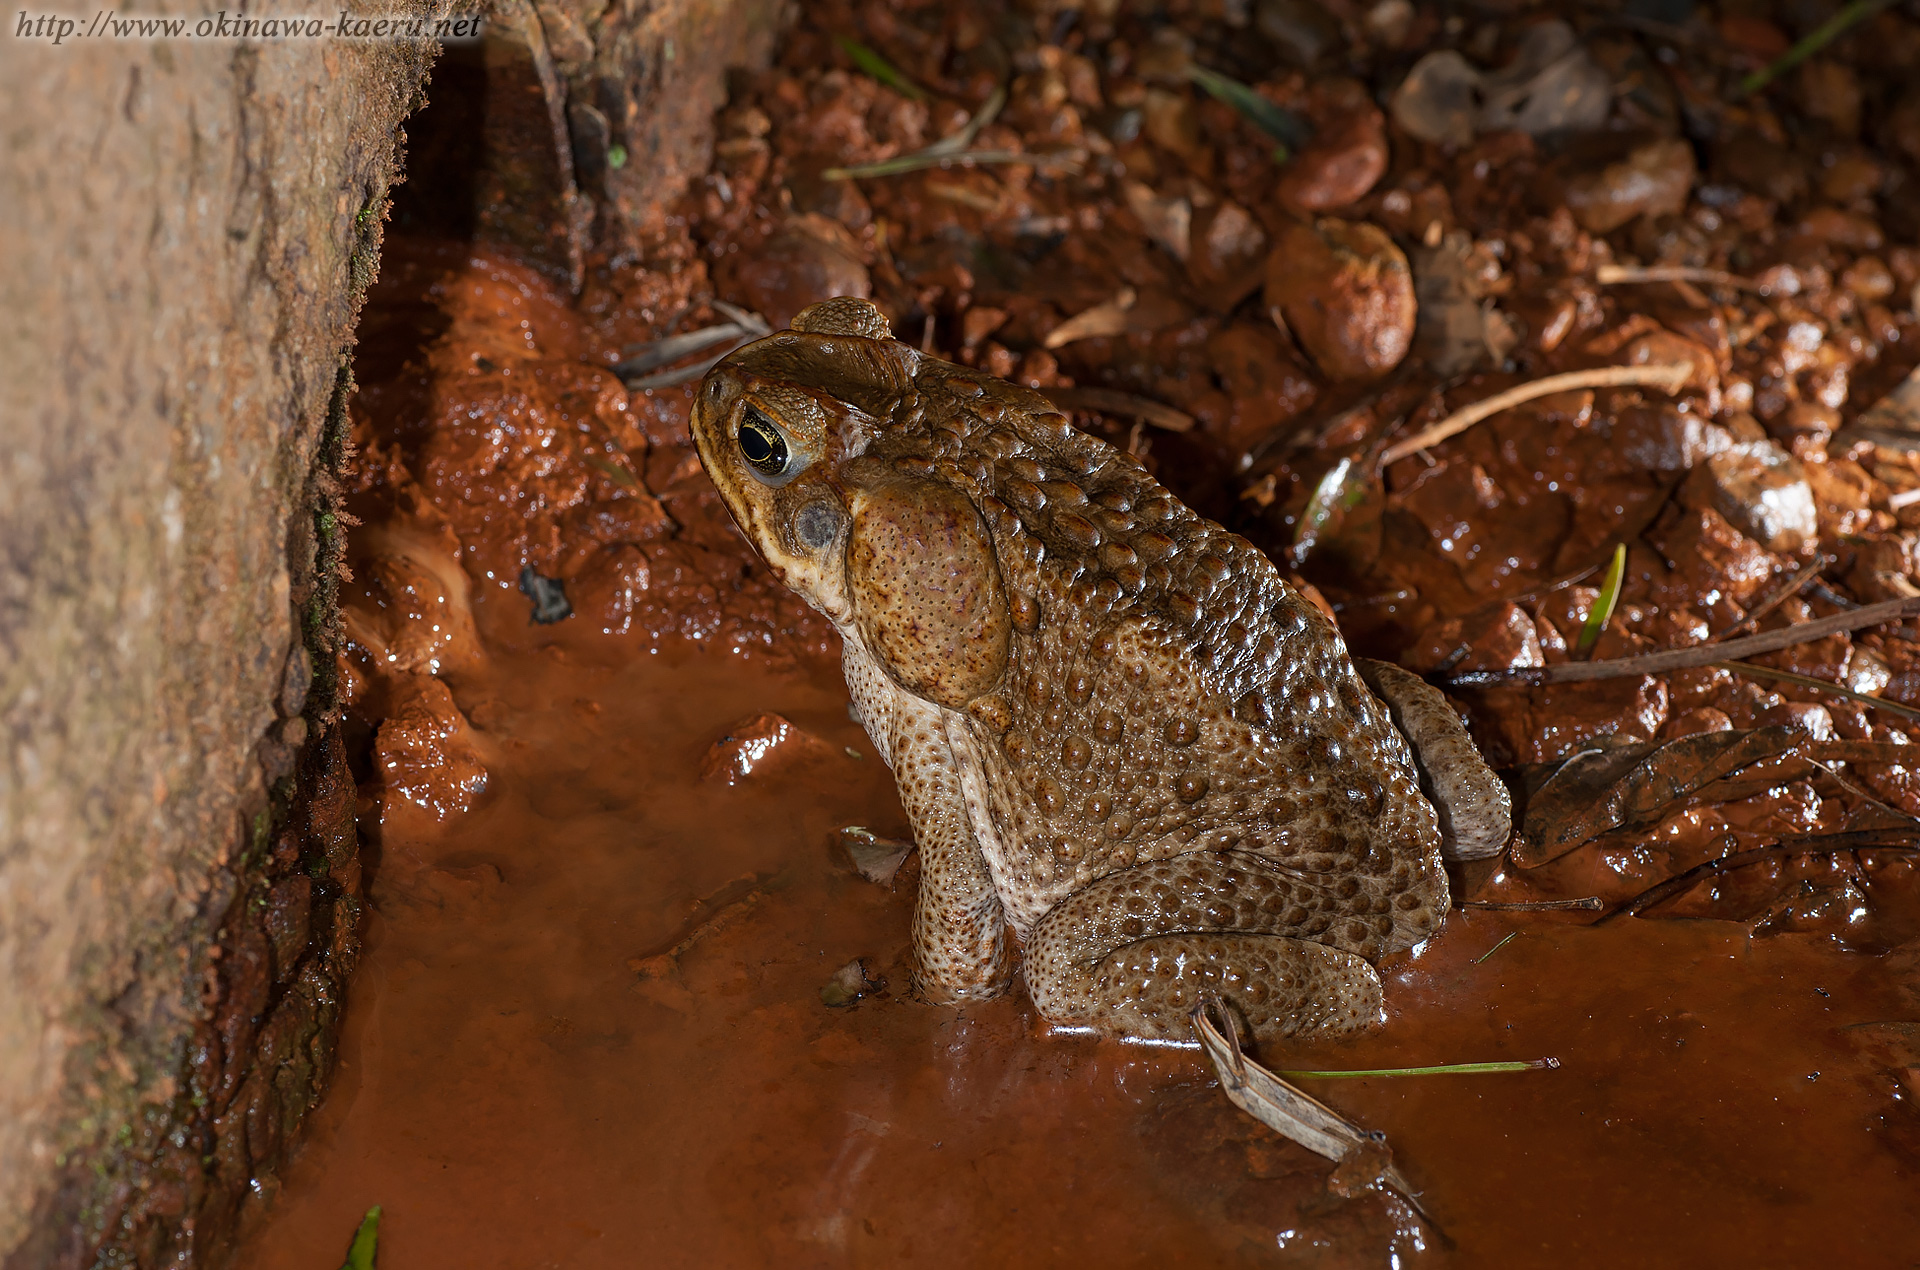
(1761, 490)
(1347, 155)
(1346, 293)
(1652, 180)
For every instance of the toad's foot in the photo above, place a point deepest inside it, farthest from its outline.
(1131, 954)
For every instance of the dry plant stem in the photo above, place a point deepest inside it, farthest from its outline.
(1792, 588)
(1586, 904)
(1278, 1105)
(1611, 275)
(1822, 844)
(1669, 377)
(1111, 401)
(1699, 654)
(1821, 685)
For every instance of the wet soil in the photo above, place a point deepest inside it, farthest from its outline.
(604, 758)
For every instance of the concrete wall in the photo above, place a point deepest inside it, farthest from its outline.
(187, 228)
(186, 231)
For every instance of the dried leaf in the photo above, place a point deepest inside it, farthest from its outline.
(851, 982)
(1284, 1109)
(875, 858)
(1892, 422)
(1109, 318)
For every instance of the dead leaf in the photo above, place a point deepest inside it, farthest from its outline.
(1627, 786)
(851, 982)
(875, 858)
(1287, 1111)
(1109, 318)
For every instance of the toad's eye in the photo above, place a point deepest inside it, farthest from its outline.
(765, 447)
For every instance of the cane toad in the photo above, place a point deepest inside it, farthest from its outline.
(1114, 726)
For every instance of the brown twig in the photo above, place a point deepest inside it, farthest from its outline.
(1671, 377)
(1111, 401)
(1697, 656)
(1585, 904)
(1820, 685)
(1774, 601)
(1611, 275)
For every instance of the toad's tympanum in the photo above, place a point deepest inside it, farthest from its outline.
(1114, 726)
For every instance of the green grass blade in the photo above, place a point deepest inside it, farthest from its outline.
(1496, 948)
(871, 63)
(1444, 1069)
(1827, 32)
(1602, 611)
(1283, 126)
(360, 1256)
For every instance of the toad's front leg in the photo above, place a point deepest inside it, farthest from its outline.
(959, 941)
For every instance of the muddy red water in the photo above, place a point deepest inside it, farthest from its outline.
(514, 1095)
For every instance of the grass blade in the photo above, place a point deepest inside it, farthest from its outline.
(1443, 1069)
(360, 1256)
(1602, 611)
(1827, 32)
(872, 64)
(1283, 126)
(1496, 948)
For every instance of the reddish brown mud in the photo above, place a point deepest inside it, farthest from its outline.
(515, 1094)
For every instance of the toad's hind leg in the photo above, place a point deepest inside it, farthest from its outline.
(1129, 955)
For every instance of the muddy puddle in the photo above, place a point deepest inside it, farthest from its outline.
(605, 760)
(523, 1083)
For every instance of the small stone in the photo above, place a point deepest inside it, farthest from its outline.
(1499, 637)
(1867, 673)
(1346, 293)
(1653, 180)
(1761, 490)
(1228, 246)
(1802, 716)
(752, 745)
(1348, 153)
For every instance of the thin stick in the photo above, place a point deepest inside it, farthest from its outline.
(1585, 904)
(1443, 1069)
(1774, 601)
(1063, 159)
(1822, 844)
(1111, 401)
(1671, 377)
(1821, 685)
(1611, 275)
(1699, 654)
